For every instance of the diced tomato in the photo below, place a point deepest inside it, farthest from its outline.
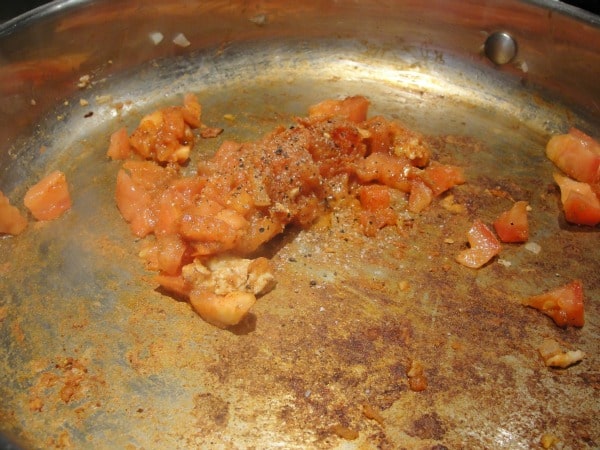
(192, 110)
(11, 219)
(174, 283)
(381, 136)
(222, 310)
(374, 197)
(49, 198)
(483, 246)
(171, 251)
(441, 177)
(377, 213)
(576, 154)
(563, 304)
(580, 203)
(353, 109)
(513, 225)
(119, 147)
(134, 203)
(420, 196)
(386, 169)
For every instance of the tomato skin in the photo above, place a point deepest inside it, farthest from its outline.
(576, 154)
(484, 246)
(49, 198)
(512, 225)
(580, 203)
(563, 304)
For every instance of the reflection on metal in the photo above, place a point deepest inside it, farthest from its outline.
(500, 48)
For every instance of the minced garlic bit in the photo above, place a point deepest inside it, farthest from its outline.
(102, 99)
(554, 356)
(229, 117)
(84, 81)
(448, 241)
(548, 440)
(533, 248)
(504, 262)
(83, 102)
(156, 37)
(181, 40)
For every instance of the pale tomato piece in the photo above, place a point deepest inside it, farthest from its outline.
(576, 154)
(420, 196)
(513, 225)
(386, 169)
(353, 109)
(563, 304)
(483, 246)
(222, 310)
(119, 147)
(580, 203)
(49, 198)
(171, 252)
(11, 219)
(135, 204)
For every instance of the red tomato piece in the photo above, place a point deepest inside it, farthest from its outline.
(441, 177)
(563, 304)
(580, 203)
(11, 219)
(576, 154)
(484, 246)
(49, 198)
(512, 225)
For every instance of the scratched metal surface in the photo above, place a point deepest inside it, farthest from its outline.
(93, 357)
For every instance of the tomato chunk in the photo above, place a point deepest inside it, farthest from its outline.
(11, 219)
(563, 304)
(484, 246)
(576, 154)
(119, 147)
(49, 198)
(353, 109)
(512, 225)
(580, 203)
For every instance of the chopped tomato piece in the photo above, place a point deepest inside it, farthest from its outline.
(512, 225)
(563, 304)
(387, 169)
(580, 203)
(49, 198)
(119, 147)
(576, 154)
(376, 214)
(484, 246)
(353, 109)
(11, 219)
(441, 177)
(174, 283)
(222, 310)
(420, 196)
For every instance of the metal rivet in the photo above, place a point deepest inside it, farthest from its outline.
(500, 47)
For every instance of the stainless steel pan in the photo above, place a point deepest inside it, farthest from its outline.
(93, 357)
